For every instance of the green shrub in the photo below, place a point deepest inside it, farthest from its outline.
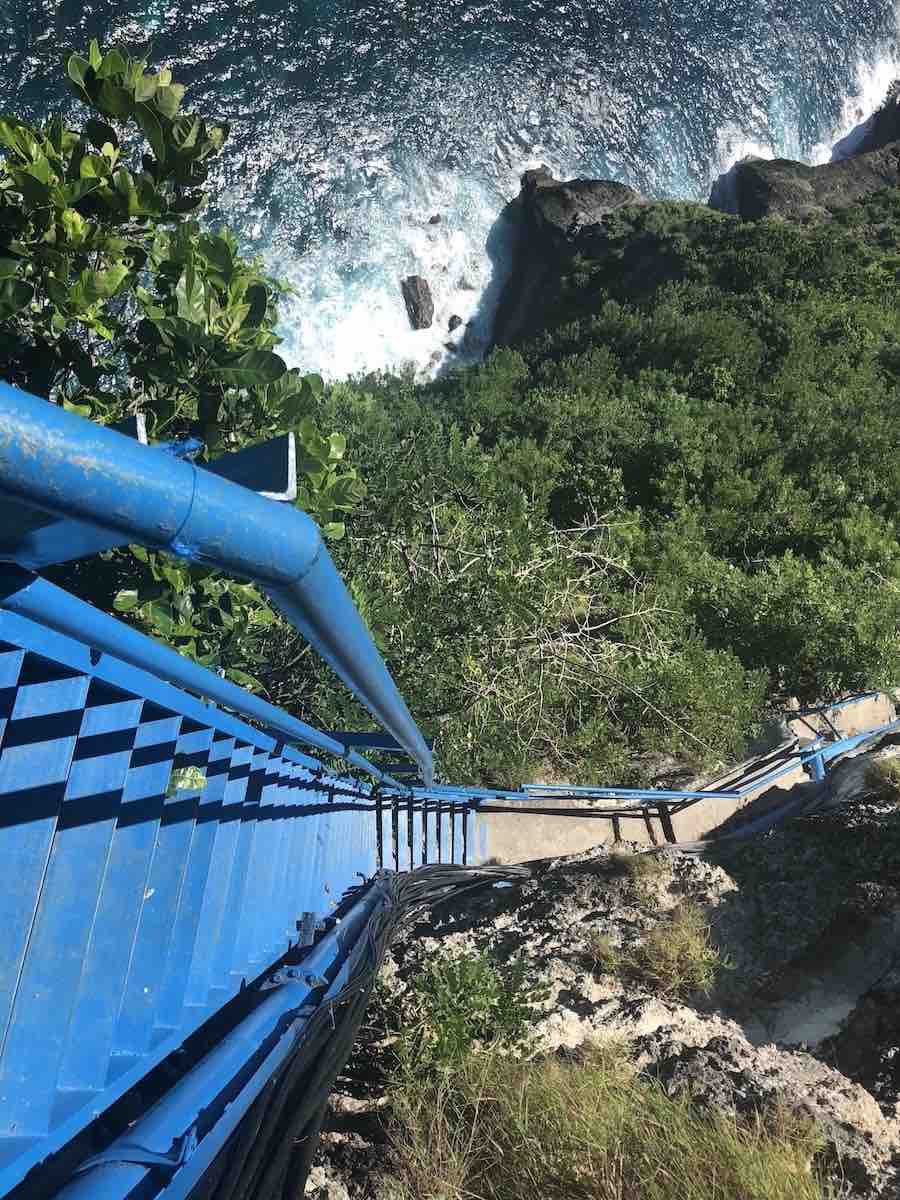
(675, 957)
(461, 1002)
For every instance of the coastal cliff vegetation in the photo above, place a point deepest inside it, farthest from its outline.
(618, 545)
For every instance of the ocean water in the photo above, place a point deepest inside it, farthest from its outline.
(354, 123)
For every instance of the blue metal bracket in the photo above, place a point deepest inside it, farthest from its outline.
(372, 741)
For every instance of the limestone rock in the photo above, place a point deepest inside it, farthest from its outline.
(418, 300)
(729, 1074)
(454, 322)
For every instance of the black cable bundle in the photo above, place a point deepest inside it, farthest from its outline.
(270, 1154)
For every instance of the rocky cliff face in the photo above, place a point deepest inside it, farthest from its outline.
(884, 126)
(804, 1015)
(555, 221)
(793, 191)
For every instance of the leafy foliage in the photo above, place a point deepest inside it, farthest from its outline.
(613, 550)
(115, 300)
(460, 1003)
(674, 508)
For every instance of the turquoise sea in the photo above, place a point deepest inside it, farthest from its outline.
(354, 123)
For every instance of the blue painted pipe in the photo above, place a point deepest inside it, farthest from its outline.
(60, 463)
(43, 602)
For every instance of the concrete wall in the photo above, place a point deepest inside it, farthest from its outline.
(512, 837)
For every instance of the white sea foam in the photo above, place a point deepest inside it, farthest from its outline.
(733, 146)
(349, 317)
(873, 78)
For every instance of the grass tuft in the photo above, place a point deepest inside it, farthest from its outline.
(495, 1129)
(676, 958)
(640, 866)
(883, 779)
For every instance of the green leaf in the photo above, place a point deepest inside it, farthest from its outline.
(145, 88)
(334, 530)
(250, 682)
(126, 600)
(19, 137)
(159, 615)
(168, 99)
(251, 369)
(114, 100)
(258, 299)
(9, 268)
(80, 410)
(149, 122)
(191, 779)
(190, 295)
(93, 166)
(217, 251)
(338, 444)
(107, 283)
(184, 133)
(114, 63)
(75, 226)
(315, 384)
(55, 131)
(76, 69)
(15, 295)
(94, 55)
(73, 192)
(99, 133)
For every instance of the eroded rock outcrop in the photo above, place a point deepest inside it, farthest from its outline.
(884, 125)
(553, 220)
(792, 191)
(729, 1074)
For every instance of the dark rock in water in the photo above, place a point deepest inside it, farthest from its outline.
(884, 125)
(435, 220)
(418, 300)
(553, 221)
(793, 191)
(454, 322)
(452, 347)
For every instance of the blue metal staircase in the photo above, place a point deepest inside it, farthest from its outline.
(160, 853)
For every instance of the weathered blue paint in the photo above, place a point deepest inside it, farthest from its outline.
(62, 464)
(136, 913)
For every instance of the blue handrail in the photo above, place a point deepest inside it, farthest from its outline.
(61, 464)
